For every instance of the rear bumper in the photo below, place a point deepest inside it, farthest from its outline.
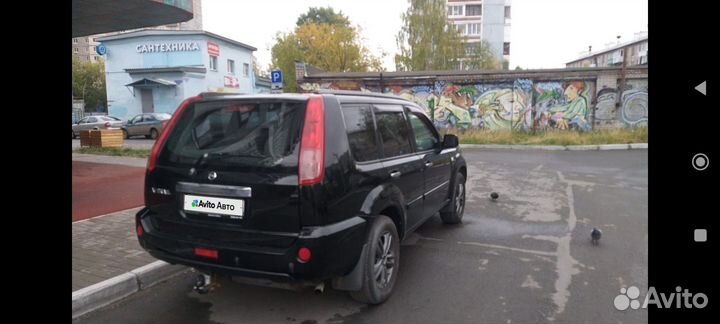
(335, 251)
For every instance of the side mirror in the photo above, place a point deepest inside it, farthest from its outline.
(450, 141)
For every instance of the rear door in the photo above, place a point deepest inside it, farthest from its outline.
(403, 166)
(436, 162)
(233, 165)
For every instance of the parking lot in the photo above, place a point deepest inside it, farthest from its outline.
(525, 258)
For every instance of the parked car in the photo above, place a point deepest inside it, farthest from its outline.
(301, 189)
(148, 125)
(95, 123)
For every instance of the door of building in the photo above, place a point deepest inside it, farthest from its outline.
(146, 96)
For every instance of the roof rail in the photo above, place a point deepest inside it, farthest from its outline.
(358, 93)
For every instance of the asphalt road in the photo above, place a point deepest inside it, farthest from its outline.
(525, 258)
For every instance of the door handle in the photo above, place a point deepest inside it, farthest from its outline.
(428, 163)
(395, 174)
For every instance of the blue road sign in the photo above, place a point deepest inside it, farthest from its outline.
(101, 49)
(277, 76)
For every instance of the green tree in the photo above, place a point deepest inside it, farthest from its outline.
(335, 47)
(323, 16)
(479, 56)
(88, 83)
(427, 40)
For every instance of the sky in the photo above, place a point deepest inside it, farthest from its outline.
(544, 33)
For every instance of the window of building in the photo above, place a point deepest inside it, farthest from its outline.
(473, 29)
(455, 10)
(361, 132)
(231, 66)
(506, 48)
(76, 50)
(461, 28)
(213, 63)
(75, 40)
(96, 58)
(507, 12)
(92, 49)
(473, 10)
(246, 69)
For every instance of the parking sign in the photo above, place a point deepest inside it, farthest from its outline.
(276, 79)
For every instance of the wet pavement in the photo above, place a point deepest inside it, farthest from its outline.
(524, 258)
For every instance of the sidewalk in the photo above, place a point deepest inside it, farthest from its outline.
(119, 160)
(104, 247)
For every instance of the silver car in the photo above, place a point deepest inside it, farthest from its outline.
(149, 125)
(95, 123)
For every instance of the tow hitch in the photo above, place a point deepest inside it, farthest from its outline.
(203, 283)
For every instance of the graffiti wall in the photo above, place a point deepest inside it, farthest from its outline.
(520, 104)
(631, 111)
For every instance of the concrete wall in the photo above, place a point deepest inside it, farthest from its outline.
(582, 99)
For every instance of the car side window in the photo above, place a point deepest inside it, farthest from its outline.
(84, 120)
(394, 132)
(425, 137)
(360, 130)
(92, 120)
(149, 118)
(136, 119)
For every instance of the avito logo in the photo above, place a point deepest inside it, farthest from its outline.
(629, 298)
(209, 204)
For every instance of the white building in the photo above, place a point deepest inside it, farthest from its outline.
(483, 20)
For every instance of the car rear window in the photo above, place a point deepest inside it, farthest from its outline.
(253, 133)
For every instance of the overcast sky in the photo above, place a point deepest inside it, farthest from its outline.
(544, 33)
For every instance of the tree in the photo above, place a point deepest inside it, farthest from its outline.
(323, 16)
(479, 56)
(257, 69)
(89, 83)
(334, 47)
(427, 40)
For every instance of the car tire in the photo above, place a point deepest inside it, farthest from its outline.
(454, 213)
(125, 134)
(381, 263)
(153, 133)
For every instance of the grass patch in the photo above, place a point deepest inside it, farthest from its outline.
(113, 151)
(553, 137)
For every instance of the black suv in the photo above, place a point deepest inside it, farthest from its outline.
(300, 189)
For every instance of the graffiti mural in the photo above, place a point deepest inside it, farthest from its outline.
(520, 104)
(503, 106)
(605, 108)
(633, 110)
(336, 85)
(635, 103)
(562, 105)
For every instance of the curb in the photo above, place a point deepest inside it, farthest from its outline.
(602, 147)
(111, 290)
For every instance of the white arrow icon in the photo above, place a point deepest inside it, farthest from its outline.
(702, 88)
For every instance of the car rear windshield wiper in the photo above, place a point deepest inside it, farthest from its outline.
(203, 158)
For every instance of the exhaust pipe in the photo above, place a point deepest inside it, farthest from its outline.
(319, 288)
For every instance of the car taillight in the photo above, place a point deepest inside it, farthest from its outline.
(206, 253)
(140, 230)
(157, 147)
(107, 125)
(311, 166)
(304, 255)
